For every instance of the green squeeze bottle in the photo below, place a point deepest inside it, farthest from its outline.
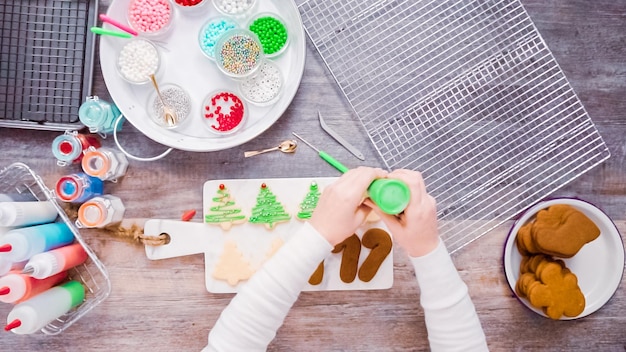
(391, 195)
(34, 314)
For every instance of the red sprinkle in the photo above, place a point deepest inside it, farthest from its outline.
(222, 186)
(188, 215)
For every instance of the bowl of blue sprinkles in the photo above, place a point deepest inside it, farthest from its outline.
(211, 32)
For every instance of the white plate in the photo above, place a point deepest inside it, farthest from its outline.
(599, 264)
(184, 64)
(254, 240)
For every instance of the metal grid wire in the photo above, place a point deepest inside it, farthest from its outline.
(19, 178)
(466, 92)
(46, 62)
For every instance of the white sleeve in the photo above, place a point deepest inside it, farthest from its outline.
(451, 318)
(251, 319)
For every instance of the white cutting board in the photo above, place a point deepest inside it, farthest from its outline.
(255, 240)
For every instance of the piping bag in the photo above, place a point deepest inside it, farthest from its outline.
(390, 195)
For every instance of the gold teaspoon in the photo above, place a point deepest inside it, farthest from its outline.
(288, 146)
(169, 113)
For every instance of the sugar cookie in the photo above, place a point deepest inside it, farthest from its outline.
(231, 265)
(223, 211)
(268, 211)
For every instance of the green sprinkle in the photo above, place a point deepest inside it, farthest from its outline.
(272, 34)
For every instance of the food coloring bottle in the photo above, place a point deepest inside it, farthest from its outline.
(22, 243)
(16, 287)
(27, 213)
(34, 314)
(78, 187)
(46, 264)
(68, 148)
(98, 115)
(105, 163)
(101, 211)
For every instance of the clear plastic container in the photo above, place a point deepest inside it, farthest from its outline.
(271, 31)
(264, 87)
(92, 274)
(137, 60)
(237, 8)
(238, 53)
(174, 97)
(152, 18)
(192, 7)
(224, 112)
(211, 31)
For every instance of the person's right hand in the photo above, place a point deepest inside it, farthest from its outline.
(415, 229)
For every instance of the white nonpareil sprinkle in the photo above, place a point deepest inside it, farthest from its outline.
(264, 86)
(234, 6)
(138, 60)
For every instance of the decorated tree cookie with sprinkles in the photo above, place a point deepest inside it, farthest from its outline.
(310, 202)
(223, 112)
(223, 211)
(268, 210)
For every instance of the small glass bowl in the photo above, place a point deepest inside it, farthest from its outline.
(264, 87)
(238, 53)
(213, 111)
(272, 32)
(235, 7)
(191, 7)
(176, 98)
(211, 32)
(137, 60)
(150, 17)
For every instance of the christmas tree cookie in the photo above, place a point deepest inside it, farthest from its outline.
(310, 202)
(268, 210)
(232, 266)
(223, 211)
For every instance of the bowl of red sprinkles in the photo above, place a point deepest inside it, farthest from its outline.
(224, 112)
(190, 5)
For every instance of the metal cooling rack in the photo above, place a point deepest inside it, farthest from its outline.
(46, 62)
(466, 92)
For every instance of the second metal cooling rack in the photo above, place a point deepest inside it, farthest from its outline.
(466, 92)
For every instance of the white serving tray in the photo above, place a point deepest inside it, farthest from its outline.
(184, 64)
(255, 240)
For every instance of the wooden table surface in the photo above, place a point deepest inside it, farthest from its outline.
(164, 306)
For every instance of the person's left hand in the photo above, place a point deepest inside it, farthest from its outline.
(340, 210)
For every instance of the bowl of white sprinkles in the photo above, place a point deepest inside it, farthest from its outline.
(137, 60)
(234, 7)
(264, 87)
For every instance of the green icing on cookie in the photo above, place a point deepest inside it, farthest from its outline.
(310, 202)
(268, 210)
(223, 209)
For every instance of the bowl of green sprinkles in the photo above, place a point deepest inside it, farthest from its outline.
(272, 33)
(238, 53)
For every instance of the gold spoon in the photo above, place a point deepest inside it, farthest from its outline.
(288, 146)
(169, 113)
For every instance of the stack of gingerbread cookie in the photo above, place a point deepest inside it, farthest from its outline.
(559, 231)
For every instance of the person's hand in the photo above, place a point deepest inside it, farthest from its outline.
(340, 210)
(415, 229)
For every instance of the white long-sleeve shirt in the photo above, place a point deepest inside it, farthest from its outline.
(250, 321)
